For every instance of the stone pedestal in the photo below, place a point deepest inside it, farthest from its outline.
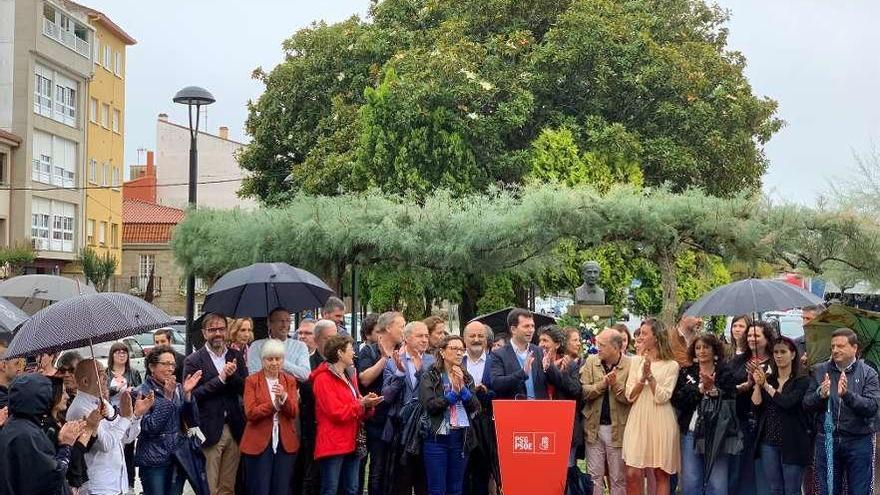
(587, 311)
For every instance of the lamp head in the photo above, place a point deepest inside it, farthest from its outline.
(193, 95)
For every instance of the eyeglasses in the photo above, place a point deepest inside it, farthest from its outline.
(166, 363)
(215, 329)
(65, 369)
(122, 351)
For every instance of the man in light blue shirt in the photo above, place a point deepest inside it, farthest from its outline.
(296, 354)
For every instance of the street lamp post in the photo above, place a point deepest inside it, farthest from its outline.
(192, 97)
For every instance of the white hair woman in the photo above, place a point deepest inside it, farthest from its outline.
(270, 441)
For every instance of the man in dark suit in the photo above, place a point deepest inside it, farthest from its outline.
(476, 361)
(218, 397)
(517, 368)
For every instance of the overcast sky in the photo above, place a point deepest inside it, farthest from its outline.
(819, 59)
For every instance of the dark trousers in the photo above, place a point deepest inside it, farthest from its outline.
(128, 450)
(445, 462)
(477, 473)
(409, 478)
(378, 460)
(306, 471)
(165, 480)
(853, 460)
(269, 472)
(339, 474)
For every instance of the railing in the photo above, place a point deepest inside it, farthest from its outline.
(138, 285)
(67, 38)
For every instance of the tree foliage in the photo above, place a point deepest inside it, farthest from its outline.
(14, 258)
(522, 233)
(465, 95)
(98, 269)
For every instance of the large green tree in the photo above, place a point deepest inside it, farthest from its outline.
(460, 94)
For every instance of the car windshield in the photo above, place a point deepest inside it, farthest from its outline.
(791, 327)
(144, 339)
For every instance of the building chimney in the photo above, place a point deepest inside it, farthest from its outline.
(224, 132)
(163, 117)
(151, 169)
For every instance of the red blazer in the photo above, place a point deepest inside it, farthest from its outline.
(338, 412)
(259, 410)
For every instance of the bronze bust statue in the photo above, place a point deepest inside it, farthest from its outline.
(590, 293)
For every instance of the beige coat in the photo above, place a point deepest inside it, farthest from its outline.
(592, 382)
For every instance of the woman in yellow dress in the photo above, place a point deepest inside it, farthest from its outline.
(651, 441)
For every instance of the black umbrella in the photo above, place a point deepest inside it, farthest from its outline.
(86, 320)
(752, 296)
(257, 289)
(497, 320)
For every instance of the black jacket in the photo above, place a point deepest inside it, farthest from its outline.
(570, 388)
(509, 379)
(29, 462)
(686, 396)
(218, 402)
(4, 396)
(796, 442)
(433, 398)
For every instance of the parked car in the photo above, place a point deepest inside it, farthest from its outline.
(135, 353)
(791, 323)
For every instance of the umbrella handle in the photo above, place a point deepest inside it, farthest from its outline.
(97, 373)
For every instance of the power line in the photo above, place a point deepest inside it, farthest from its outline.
(133, 186)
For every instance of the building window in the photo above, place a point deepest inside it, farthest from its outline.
(90, 232)
(115, 180)
(114, 235)
(97, 55)
(93, 110)
(102, 233)
(54, 160)
(40, 230)
(117, 64)
(52, 224)
(106, 63)
(146, 265)
(105, 175)
(3, 172)
(93, 171)
(54, 95)
(105, 115)
(116, 119)
(42, 94)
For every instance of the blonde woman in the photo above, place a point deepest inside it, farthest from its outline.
(651, 440)
(241, 334)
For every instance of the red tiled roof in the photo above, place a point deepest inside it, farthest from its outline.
(135, 211)
(148, 223)
(146, 233)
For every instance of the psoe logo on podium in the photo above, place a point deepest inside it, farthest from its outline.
(534, 443)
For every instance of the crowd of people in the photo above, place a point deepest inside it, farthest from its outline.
(410, 410)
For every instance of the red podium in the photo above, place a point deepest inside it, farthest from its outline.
(534, 440)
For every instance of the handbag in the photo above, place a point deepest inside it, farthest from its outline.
(361, 442)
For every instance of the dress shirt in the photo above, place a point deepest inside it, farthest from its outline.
(106, 458)
(410, 368)
(522, 356)
(219, 361)
(476, 368)
(296, 358)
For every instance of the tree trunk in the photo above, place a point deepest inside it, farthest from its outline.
(669, 285)
(470, 294)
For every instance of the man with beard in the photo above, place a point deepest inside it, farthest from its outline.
(681, 335)
(479, 465)
(436, 332)
(400, 388)
(218, 398)
(516, 369)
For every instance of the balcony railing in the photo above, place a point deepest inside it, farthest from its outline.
(138, 285)
(67, 38)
